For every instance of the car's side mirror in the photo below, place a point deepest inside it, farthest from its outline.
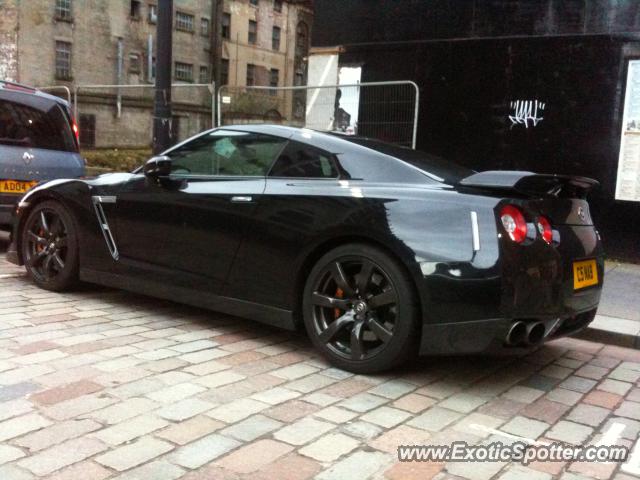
(157, 167)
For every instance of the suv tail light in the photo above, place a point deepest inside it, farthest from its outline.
(544, 227)
(514, 223)
(76, 130)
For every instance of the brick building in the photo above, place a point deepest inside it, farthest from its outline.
(79, 42)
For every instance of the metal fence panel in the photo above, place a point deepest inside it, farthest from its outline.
(384, 110)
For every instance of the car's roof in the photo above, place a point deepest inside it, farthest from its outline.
(25, 91)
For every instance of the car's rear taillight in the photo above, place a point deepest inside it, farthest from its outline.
(76, 130)
(514, 223)
(544, 227)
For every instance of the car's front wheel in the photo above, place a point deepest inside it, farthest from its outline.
(360, 310)
(50, 247)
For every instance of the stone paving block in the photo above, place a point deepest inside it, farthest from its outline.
(400, 435)
(393, 389)
(189, 430)
(134, 454)
(614, 386)
(357, 466)
(478, 424)
(603, 399)
(85, 470)
(564, 396)
(56, 433)
(523, 394)
(218, 379)
(631, 430)
(624, 374)
(137, 388)
(463, 402)
(66, 392)
(158, 470)
(629, 409)
(556, 371)
(254, 456)
(474, 470)
(124, 410)
(252, 428)
(414, 471)
(588, 415)
(519, 472)
(293, 372)
(9, 454)
(275, 395)
(289, 467)
(17, 390)
(321, 399)
(525, 427)
(237, 410)
(578, 384)
(386, 417)
(205, 450)
(435, 419)
(302, 431)
(62, 455)
(21, 425)
(14, 408)
(336, 414)
(330, 447)
(177, 392)
(441, 389)
(569, 432)
(184, 409)
(545, 410)
(363, 402)
(592, 371)
(130, 429)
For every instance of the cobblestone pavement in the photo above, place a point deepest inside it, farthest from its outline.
(99, 383)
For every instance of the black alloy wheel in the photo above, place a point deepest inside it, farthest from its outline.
(49, 246)
(359, 308)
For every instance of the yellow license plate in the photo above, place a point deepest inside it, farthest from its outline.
(15, 186)
(585, 274)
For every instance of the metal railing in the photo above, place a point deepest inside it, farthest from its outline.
(56, 88)
(384, 110)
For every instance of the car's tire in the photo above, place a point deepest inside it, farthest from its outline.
(360, 309)
(49, 246)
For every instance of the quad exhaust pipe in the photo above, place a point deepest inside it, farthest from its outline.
(529, 334)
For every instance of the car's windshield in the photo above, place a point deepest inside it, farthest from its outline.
(449, 172)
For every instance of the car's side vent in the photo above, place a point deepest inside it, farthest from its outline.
(104, 225)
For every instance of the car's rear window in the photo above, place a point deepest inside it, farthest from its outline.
(42, 125)
(447, 171)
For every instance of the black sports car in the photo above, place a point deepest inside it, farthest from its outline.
(378, 250)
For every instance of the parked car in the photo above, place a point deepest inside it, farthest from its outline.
(379, 251)
(38, 141)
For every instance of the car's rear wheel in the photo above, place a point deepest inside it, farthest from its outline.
(50, 247)
(360, 310)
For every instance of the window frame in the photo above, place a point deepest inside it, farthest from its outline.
(63, 10)
(152, 15)
(227, 27)
(276, 38)
(332, 158)
(225, 65)
(277, 6)
(175, 71)
(195, 176)
(205, 26)
(254, 33)
(58, 44)
(272, 72)
(181, 23)
(207, 75)
(251, 67)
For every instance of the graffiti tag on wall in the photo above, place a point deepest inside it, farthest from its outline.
(526, 112)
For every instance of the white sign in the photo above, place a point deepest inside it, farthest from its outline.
(226, 99)
(526, 112)
(628, 180)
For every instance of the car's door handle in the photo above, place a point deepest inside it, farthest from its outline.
(241, 199)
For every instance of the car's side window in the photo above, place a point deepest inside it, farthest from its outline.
(303, 161)
(226, 153)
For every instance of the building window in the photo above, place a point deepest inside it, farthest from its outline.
(251, 74)
(302, 40)
(63, 60)
(224, 71)
(204, 74)
(204, 27)
(134, 11)
(184, 72)
(226, 25)
(254, 2)
(277, 5)
(153, 13)
(274, 77)
(253, 32)
(275, 38)
(134, 63)
(88, 129)
(63, 10)
(184, 22)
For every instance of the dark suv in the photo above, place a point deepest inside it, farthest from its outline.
(38, 141)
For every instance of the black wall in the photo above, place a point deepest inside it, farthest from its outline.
(472, 59)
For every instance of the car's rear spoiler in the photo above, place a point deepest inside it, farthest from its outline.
(529, 183)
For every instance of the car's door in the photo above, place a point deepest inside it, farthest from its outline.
(187, 228)
(301, 199)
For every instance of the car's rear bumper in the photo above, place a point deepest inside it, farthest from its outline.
(6, 211)
(490, 336)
